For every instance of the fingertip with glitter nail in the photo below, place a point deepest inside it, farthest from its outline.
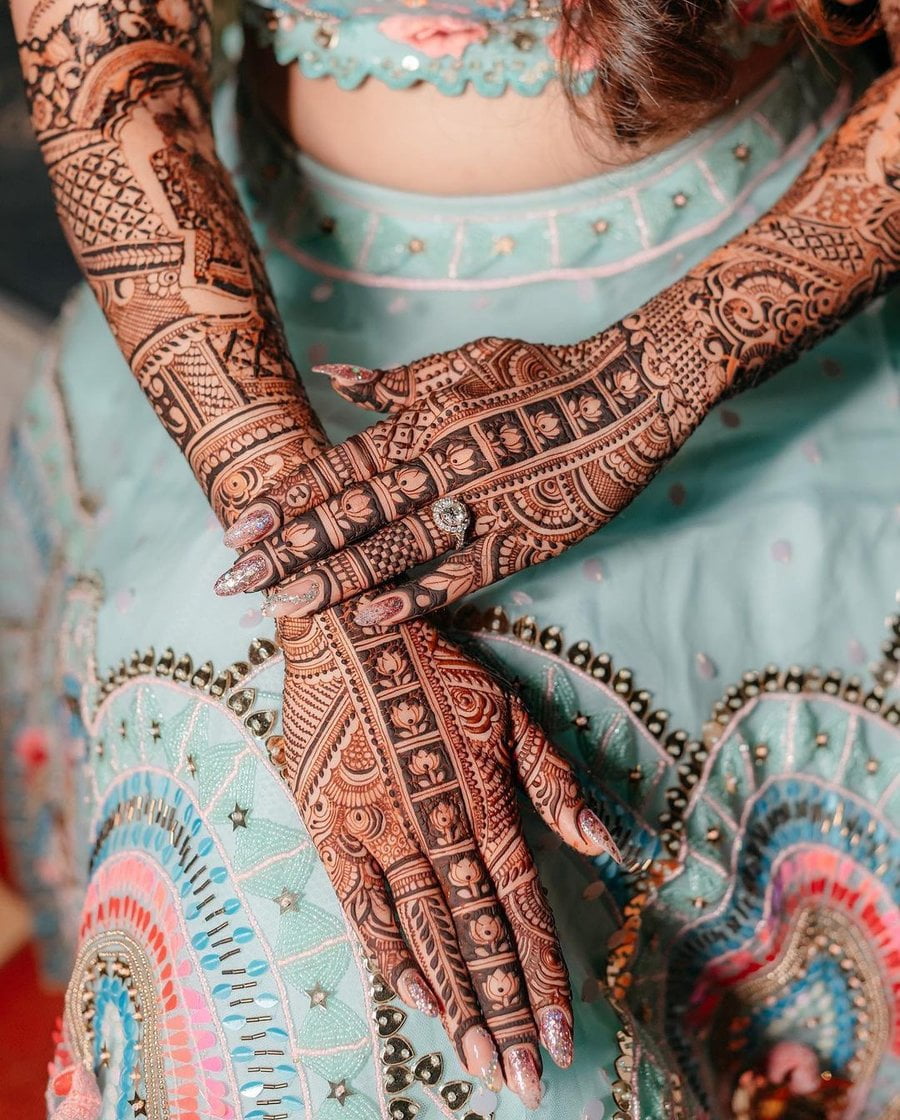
(416, 993)
(379, 612)
(298, 601)
(242, 575)
(344, 371)
(595, 833)
(249, 527)
(523, 1076)
(556, 1035)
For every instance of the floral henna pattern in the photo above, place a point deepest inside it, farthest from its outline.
(119, 99)
(545, 444)
(394, 789)
(402, 757)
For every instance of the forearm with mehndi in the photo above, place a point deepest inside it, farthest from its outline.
(120, 102)
(828, 247)
(541, 445)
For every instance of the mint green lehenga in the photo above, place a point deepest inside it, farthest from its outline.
(211, 970)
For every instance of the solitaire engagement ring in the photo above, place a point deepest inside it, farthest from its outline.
(452, 517)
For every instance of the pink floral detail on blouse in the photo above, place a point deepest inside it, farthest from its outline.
(435, 35)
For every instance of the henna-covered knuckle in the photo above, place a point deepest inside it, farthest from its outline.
(364, 566)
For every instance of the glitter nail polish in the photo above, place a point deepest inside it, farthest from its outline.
(556, 1035)
(597, 834)
(417, 993)
(249, 528)
(241, 575)
(374, 614)
(341, 371)
(522, 1075)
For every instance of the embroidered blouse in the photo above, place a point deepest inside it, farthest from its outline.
(492, 44)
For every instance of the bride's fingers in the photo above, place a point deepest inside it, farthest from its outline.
(314, 482)
(555, 792)
(479, 565)
(537, 944)
(490, 953)
(431, 934)
(397, 387)
(358, 511)
(363, 893)
(389, 553)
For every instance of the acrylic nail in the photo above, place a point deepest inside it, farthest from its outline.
(241, 575)
(522, 1075)
(249, 527)
(556, 1035)
(342, 371)
(481, 1058)
(379, 612)
(595, 833)
(416, 993)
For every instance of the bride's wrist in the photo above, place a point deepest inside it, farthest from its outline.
(661, 350)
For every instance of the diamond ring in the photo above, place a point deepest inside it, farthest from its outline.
(452, 517)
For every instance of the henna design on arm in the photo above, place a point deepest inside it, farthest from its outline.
(394, 788)
(545, 444)
(119, 98)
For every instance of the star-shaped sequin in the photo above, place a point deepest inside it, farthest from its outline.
(155, 731)
(287, 900)
(238, 817)
(193, 767)
(339, 1092)
(318, 996)
(139, 1105)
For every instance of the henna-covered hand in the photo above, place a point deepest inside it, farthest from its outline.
(544, 444)
(119, 97)
(403, 756)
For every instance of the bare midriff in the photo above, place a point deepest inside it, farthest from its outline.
(420, 139)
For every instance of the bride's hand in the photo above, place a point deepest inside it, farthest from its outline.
(403, 757)
(541, 444)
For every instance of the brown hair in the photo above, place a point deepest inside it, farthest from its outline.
(663, 60)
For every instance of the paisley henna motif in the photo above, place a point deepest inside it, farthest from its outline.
(544, 444)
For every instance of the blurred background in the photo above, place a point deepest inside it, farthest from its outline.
(36, 272)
